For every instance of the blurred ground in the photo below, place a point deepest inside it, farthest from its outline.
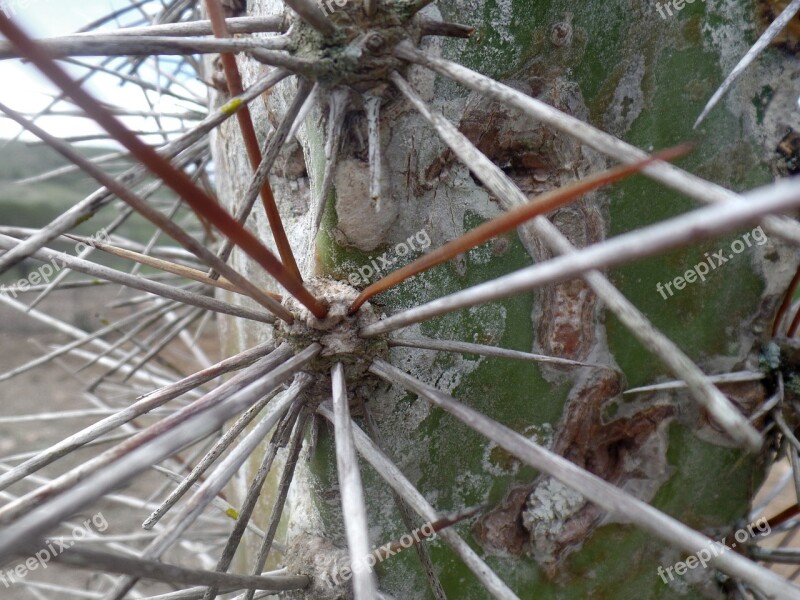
(53, 388)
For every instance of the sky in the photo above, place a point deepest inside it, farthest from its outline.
(23, 89)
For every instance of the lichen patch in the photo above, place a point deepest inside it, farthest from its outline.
(320, 560)
(547, 511)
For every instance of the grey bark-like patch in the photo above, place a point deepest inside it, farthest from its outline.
(359, 224)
